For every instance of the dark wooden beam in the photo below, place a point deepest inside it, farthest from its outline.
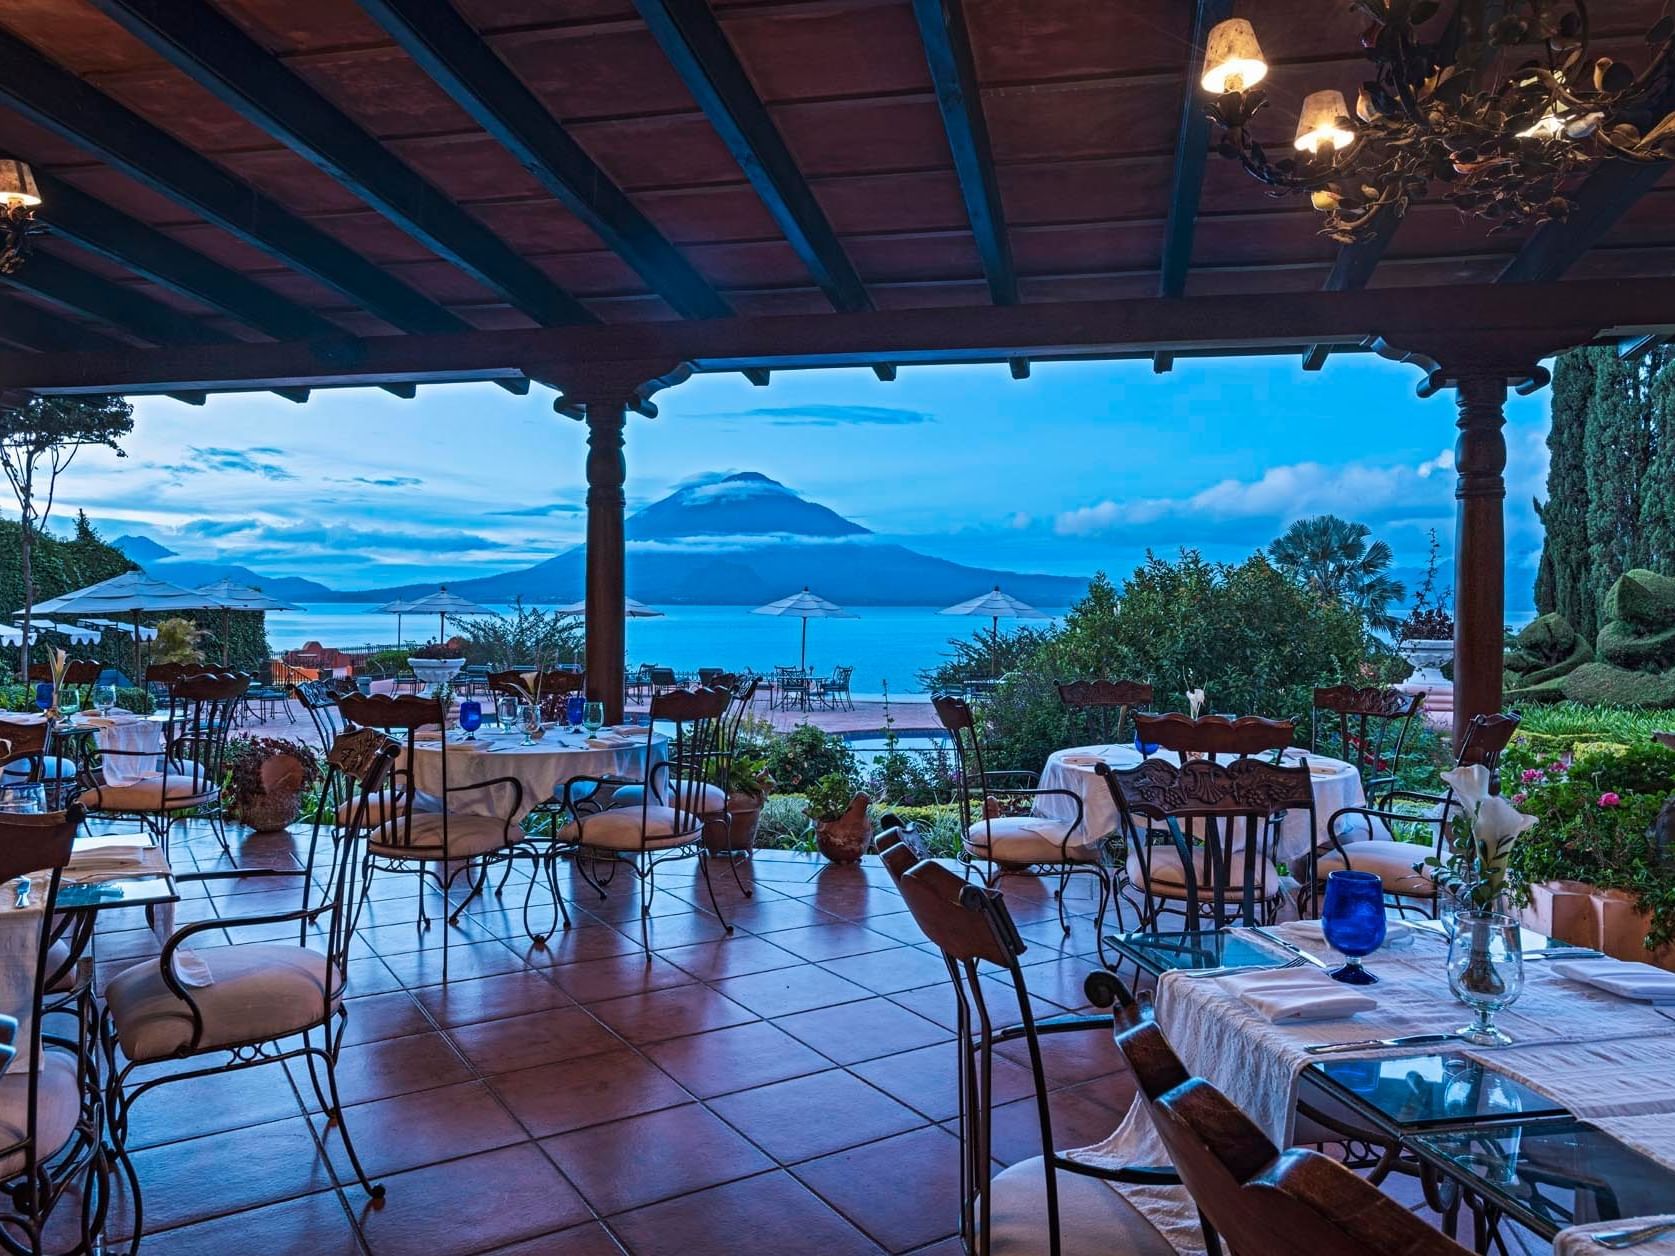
(1576, 312)
(1353, 268)
(194, 37)
(28, 326)
(1604, 197)
(942, 30)
(1019, 367)
(131, 243)
(463, 65)
(1634, 347)
(52, 97)
(1192, 151)
(66, 284)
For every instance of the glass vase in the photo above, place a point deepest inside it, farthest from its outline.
(1485, 971)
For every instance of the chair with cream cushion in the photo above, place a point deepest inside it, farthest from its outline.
(440, 846)
(1009, 844)
(49, 1101)
(27, 758)
(667, 819)
(1426, 818)
(1368, 726)
(253, 1003)
(1048, 1202)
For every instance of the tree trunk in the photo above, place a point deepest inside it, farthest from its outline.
(25, 563)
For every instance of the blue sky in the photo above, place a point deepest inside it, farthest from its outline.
(1083, 466)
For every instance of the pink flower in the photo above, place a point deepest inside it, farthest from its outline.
(1531, 775)
(1518, 798)
(1609, 799)
(1557, 765)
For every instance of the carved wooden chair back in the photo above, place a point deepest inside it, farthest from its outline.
(693, 718)
(402, 716)
(1214, 734)
(77, 672)
(1098, 709)
(24, 743)
(1367, 726)
(1486, 739)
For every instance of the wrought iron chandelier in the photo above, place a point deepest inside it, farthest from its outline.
(18, 198)
(1503, 112)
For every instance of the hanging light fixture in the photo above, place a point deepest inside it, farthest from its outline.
(19, 198)
(1501, 116)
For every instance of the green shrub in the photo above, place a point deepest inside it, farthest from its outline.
(1604, 684)
(796, 760)
(22, 698)
(1560, 727)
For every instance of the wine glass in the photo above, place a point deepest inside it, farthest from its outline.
(593, 716)
(471, 717)
(506, 712)
(1146, 748)
(1485, 971)
(1353, 922)
(104, 696)
(27, 799)
(43, 695)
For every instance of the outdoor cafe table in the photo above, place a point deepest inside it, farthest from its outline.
(541, 768)
(1336, 784)
(1594, 1075)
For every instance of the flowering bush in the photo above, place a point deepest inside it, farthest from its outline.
(245, 758)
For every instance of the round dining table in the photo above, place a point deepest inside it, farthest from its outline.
(1336, 783)
(542, 768)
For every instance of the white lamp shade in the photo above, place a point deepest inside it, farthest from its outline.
(1232, 58)
(1320, 124)
(17, 183)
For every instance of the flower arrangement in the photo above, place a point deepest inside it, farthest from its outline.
(57, 662)
(1429, 619)
(1485, 830)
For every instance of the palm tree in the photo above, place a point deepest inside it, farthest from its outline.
(1332, 556)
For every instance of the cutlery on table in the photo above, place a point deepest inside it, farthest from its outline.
(23, 888)
(1616, 1240)
(1295, 962)
(1290, 947)
(1574, 952)
(1377, 1044)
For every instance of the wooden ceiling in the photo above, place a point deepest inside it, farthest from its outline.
(301, 169)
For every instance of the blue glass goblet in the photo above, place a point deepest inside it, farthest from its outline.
(1146, 748)
(1352, 920)
(43, 694)
(471, 717)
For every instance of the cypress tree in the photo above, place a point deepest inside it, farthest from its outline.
(1562, 575)
(1618, 445)
(1657, 489)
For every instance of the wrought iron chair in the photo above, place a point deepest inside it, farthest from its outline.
(51, 1113)
(193, 759)
(320, 705)
(1217, 824)
(791, 687)
(1406, 887)
(1255, 1198)
(78, 673)
(667, 820)
(160, 676)
(1019, 844)
(1099, 708)
(439, 846)
(262, 996)
(1368, 727)
(1048, 1202)
(27, 758)
(833, 691)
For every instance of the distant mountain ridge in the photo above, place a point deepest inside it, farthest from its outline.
(160, 563)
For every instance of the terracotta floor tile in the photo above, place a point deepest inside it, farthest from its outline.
(768, 916)
(852, 1032)
(374, 1017)
(693, 926)
(672, 1013)
(583, 942)
(471, 1205)
(788, 990)
(737, 956)
(832, 1110)
(937, 1003)
(1079, 1119)
(898, 1220)
(554, 1098)
(823, 942)
(396, 1066)
(315, 1225)
(209, 1105)
(642, 1159)
(512, 1043)
(490, 998)
(615, 976)
(371, 976)
(465, 961)
(221, 1173)
(1070, 1058)
(592, 1239)
(738, 1058)
(887, 972)
(776, 1212)
(927, 1080)
(408, 1131)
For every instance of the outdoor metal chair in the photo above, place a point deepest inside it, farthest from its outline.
(1353, 834)
(28, 757)
(78, 673)
(833, 690)
(320, 705)
(1368, 727)
(791, 687)
(1048, 1202)
(1098, 709)
(263, 996)
(1012, 844)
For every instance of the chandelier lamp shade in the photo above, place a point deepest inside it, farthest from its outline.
(19, 198)
(1499, 109)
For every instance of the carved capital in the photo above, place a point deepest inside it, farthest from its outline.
(1513, 358)
(630, 383)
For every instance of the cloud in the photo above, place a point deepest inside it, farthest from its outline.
(252, 461)
(817, 415)
(540, 512)
(1020, 520)
(384, 481)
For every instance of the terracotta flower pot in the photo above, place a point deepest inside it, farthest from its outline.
(845, 839)
(739, 836)
(1585, 915)
(278, 802)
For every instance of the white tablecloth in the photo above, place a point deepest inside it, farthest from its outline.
(125, 732)
(542, 768)
(1610, 1061)
(1336, 784)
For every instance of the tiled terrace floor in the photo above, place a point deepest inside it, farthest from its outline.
(785, 1090)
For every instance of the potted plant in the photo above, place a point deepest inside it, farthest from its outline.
(266, 780)
(745, 778)
(842, 827)
(1426, 637)
(177, 642)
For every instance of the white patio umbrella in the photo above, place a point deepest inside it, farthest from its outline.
(398, 608)
(75, 634)
(232, 596)
(147, 633)
(443, 604)
(133, 593)
(10, 635)
(805, 606)
(996, 606)
(630, 608)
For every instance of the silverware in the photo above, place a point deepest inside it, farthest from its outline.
(1289, 947)
(1375, 1044)
(1616, 1240)
(1575, 952)
(1296, 962)
(23, 888)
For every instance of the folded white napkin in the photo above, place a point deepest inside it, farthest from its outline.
(607, 741)
(1397, 934)
(1619, 977)
(1298, 994)
(1080, 760)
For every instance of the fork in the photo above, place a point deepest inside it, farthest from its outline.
(1617, 1240)
(1296, 962)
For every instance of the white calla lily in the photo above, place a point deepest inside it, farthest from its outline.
(1194, 702)
(1470, 785)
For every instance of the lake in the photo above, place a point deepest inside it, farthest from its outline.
(885, 644)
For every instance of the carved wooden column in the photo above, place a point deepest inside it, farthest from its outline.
(1479, 548)
(607, 589)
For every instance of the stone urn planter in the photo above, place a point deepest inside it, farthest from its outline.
(1585, 915)
(278, 801)
(1427, 658)
(734, 833)
(845, 839)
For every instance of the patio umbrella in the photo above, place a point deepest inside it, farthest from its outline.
(75, 634)
(398, 608)
(630, 609)
(231, 596)
(996, 606)
(147, 633)
(133, 593)
(10, 635)
(443, 604)
(805, 606)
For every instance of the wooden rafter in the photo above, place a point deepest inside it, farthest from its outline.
(75, 288)
(1608, 192)
(1353, 268)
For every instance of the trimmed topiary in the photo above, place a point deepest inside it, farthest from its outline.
(1616, 686)
(1643, 598)
(1635, 648)
(1545, 650)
